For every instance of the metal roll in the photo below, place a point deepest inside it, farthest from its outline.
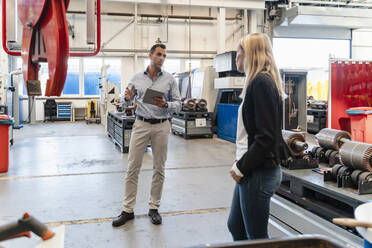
(295, 141)
(355, 176)
(189, 104)
(335, 169)
(357, 155)
(332, 138)
(201, 104)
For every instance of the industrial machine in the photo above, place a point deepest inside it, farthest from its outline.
(298, 158)
(351, 161)
(109, 92)
(316, 115)
(229, 83)
(203, 90)
(337, 187)
(193, 124)
(294, 108)
(198, 104)
(45, 39)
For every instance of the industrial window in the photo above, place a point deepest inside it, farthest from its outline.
(92, 74)
(172, 65)
(308, 53)
(114, 71)
(72, 79)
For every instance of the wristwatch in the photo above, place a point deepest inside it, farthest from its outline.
(165, 105)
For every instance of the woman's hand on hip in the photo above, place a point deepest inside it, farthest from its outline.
(235, 177)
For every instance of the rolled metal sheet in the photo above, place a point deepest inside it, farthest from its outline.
(295, 141)
(357, 155)
(332, 138)
(202, 104)
(189, 104)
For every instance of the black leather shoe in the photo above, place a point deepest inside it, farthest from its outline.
(155, 216)
(122, 219)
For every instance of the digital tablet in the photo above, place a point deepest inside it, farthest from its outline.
(150, 94)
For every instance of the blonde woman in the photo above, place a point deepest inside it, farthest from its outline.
(259, 138)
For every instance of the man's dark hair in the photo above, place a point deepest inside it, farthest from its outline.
(152, 50)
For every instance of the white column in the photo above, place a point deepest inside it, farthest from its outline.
(252, 22)
(221, 30)
(245, 19)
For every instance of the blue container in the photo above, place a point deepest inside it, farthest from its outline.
(227, 120)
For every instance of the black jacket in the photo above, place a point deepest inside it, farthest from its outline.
(262, 117)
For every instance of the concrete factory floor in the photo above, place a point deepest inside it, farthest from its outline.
(72, 174)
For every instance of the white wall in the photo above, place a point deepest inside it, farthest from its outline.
(203, 34)
(362, 44)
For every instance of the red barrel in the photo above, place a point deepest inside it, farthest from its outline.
(361, 123)
(5, 122)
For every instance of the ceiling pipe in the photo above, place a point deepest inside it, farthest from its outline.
(157, 16)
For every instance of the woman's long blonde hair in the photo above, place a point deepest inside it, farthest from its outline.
(259, 58)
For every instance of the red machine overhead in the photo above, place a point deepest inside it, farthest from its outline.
(45, 39)
(351, 86)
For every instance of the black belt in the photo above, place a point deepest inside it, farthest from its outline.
(151, 121)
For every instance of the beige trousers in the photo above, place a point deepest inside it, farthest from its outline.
(142, 134)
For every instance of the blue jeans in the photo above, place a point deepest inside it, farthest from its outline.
(250, 208)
